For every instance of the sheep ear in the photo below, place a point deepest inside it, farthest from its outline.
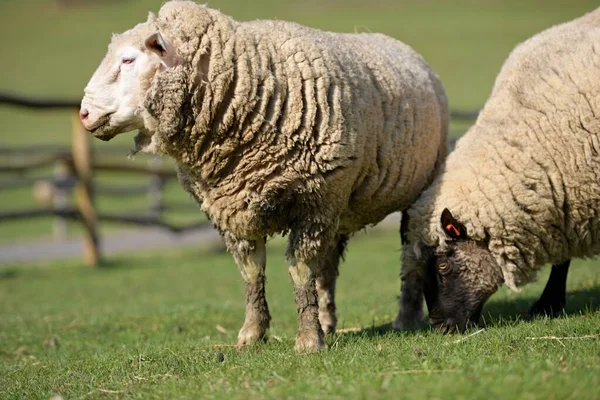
(454, 229)
(156, 44)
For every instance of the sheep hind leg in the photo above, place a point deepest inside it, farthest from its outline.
(251, 260)
(325, 283)
(410, 316)
(553, 299)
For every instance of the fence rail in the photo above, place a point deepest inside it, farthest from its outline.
(38, 103)
(54, 190)
(74, 170)
(75, 215)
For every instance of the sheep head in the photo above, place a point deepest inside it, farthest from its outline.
(116, 91)
(459, 277)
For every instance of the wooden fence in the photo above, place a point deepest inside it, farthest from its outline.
(74, 170)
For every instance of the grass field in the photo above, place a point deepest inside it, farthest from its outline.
(53, 51)
(153, 325)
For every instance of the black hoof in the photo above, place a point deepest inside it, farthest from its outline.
(547, 308)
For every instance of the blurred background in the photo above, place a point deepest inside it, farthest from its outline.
(52, 47)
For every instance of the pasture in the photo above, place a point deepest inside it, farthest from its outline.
(54, 50)
(162, 324)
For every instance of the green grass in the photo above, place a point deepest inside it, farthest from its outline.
(153, 325)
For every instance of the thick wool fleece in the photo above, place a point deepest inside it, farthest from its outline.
(526, 176)
(277, 127)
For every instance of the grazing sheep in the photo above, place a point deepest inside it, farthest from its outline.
(277, 129)
(521, 189)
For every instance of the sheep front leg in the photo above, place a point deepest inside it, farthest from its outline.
(257, 318)
(250, 257)
(307, 252)
(326, 279)
(310, 336)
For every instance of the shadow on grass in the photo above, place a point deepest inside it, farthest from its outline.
(127, 262)
(381, 330)
(501, 313)
(8, 273)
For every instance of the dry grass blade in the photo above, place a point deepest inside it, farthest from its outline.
(346, 330)
(466, 337)
(70, 325)
(418, 371)
(277, 338)
(108, 391)
(559, 338)
(281, 378)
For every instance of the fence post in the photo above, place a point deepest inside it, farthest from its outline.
(82, 163)
(62, 171)
(155, 187)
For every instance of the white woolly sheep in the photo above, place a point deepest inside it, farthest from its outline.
(277, 129)
(521, 189)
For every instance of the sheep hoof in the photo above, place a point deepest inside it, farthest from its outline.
(409, 321)
(548, 308)
(250, 335)
(310, 343)
(328, 323)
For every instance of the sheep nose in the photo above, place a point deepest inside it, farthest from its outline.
(83, 114)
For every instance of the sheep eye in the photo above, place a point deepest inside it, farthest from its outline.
(442, 267)
(128, 60)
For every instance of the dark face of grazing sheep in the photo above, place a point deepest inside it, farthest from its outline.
(459, 280)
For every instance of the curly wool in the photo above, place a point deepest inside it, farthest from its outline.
(526, 176)
(277, 127)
